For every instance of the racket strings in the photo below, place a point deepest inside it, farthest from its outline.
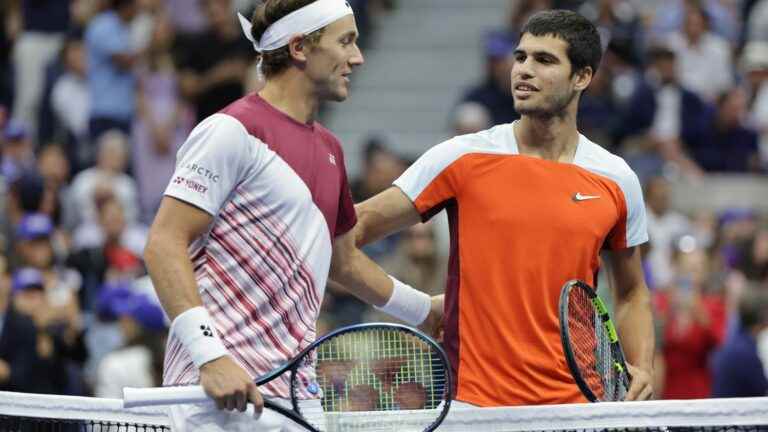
(595, 355)
(376, 370)
(584, 332)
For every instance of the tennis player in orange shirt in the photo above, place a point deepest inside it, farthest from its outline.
(531, 205)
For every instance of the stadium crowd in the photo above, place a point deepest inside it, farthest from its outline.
(96, 96)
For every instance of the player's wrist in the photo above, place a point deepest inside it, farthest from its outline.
(407, 304)
(197, 333)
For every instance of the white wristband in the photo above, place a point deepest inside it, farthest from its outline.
(407, 304)
(195, 329)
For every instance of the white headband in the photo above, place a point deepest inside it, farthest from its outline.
(311, 17)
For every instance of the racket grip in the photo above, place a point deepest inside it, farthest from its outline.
(159, 396)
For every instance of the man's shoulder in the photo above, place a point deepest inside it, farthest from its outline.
(595, 157)
(327, 135)
(493, 139)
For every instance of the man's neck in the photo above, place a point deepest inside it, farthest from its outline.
(291, 94)
(552, 138)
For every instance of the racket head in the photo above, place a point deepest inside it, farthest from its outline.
(369, 373)
(590, 343)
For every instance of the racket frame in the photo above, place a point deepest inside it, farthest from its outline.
(293, 366)
(619, 361)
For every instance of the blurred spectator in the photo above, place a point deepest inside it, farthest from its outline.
(616, 20)
(53, 166)
(213, 64)
(62, 284)
(18, 151)
(736, 226)
(737, 370)
(757, 22)
(729, 145)
(754, 64)
(6, 71)
(521, 10)
(754, 259)
(143, 24)
(138, 363)
(70, 104)
(17, 336)
(599, 111)
(670, 115)
(665, 226)
(693, 323)
(495, 92)
(44, 24)
(163, 121)
(111, 58)
(362, 397)
(57, 346)
(381, 166)
(410, 396)
(107, 250)
(25, 195)
(107, 177)
(670, 15)
(697, 49)
(418, 262)
(470, 117)
(192, 21)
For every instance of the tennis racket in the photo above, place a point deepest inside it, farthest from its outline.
(591, 344)
(366, 375)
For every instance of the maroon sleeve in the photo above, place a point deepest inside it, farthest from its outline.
(346, 217)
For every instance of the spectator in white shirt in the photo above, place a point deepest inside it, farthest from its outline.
(107, 177)
(699, 50)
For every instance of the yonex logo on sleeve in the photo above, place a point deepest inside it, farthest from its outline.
(332, 158)
(206, 330)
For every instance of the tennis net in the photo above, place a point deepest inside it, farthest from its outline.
(44, 413)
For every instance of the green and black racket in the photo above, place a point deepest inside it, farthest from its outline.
(591, 344)
(366, 376)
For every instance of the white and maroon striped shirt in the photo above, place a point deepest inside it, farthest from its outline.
(278, 192)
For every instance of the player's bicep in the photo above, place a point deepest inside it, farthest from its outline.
(627, 272)
(180, 221)
(384, 214)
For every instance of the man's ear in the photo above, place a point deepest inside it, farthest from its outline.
(297, 48)
(583, 78)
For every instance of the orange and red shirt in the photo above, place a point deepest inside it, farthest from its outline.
(520, 228)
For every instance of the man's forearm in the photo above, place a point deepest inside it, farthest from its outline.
(361, 277)
(172, 275)
(635, 322)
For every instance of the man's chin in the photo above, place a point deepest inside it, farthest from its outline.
(339, 96)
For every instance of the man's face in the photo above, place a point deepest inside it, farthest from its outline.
(542, 84)
(331, 61)
(18, 149)
(37, 252)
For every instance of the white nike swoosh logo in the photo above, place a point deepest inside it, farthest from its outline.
(579, 197)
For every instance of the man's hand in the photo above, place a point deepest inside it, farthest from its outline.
(642, 384)
(433, 325)
(230, 386)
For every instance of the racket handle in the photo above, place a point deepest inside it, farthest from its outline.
(142, 397)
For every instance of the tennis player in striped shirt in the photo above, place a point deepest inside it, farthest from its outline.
(256, 214)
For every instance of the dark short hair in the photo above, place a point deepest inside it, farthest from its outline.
(753, 306)
(117, 4)
(267, 13)
(584, 47)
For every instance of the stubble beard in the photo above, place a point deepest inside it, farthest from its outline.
(554, 106)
